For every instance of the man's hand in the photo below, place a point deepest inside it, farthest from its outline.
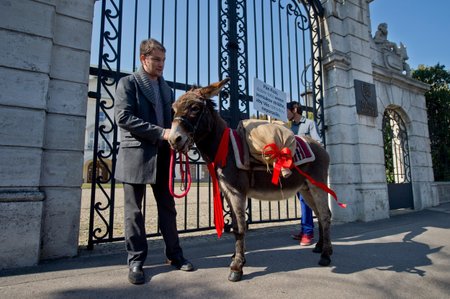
(166, 134)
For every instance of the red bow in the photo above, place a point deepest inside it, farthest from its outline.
(282, 158)
(321, 186)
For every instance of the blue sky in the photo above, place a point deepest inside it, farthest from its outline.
(422, 26)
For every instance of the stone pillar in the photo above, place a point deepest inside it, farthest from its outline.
(44, 65)
(354, 140)
(357, 68)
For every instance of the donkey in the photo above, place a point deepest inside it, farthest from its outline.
(197, 121)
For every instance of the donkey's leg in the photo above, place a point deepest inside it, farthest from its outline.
(238, 205)
(319, 244)
(323, 213)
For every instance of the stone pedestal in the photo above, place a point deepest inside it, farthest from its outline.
(20, 233)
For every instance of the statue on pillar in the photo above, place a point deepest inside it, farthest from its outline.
(380, 38)
(394, 57)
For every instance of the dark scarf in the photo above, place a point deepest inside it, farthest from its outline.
(145, 84)
(146, 87)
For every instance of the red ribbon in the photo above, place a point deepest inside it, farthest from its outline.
(321, 186)
(220, 160)
(282, 158)
(182, 172)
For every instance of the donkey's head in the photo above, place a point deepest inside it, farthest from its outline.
(194, 116)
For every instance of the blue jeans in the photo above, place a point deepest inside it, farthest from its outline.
(307, 224)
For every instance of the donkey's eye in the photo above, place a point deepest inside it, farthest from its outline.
(195, 109)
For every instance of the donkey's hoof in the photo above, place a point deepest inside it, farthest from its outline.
(235, 276)
(324, 261)
(317, 249)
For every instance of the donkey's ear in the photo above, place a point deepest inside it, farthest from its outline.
(213, 89)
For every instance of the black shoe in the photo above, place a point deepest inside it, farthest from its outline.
(136, 275)
(181, 264)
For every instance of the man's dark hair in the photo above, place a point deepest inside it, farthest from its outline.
(294, 105)
(148, 45)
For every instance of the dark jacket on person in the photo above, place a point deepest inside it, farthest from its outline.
(140, 137)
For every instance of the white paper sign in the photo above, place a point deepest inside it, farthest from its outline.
(269, 100)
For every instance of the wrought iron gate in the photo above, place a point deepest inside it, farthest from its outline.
(276, 41)
(396, 155)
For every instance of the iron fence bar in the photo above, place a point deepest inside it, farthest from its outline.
(198, 42)
(162, 20)
(209, 40)
(280, 34)
(197, 169)
(281, 71)
(249, 200)
(114, 125)
(245, 99)
(304, 75)
(187, 47)
(185, 210)
(233, 45)
(288, 33)
(135, 33)
(104, 59)
(314, 8)
(149, 32)
(234, 55)
(287, 208)
(296, 59)
(256, 39)
(270, 210)
(209, 202)
(272, 43)
(94, 156)
(263, 40)
(175, 44)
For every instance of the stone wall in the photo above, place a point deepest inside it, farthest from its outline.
(44, 66)
(355, 140)
(441, 190)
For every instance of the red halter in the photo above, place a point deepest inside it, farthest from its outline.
(182, 172)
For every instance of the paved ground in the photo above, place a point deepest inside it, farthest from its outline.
(406, 256)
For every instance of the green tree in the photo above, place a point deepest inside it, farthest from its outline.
(438, 106)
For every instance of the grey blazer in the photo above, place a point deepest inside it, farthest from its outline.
(140, 136)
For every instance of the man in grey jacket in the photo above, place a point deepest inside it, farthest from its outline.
(302, 126)
(143, 114)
